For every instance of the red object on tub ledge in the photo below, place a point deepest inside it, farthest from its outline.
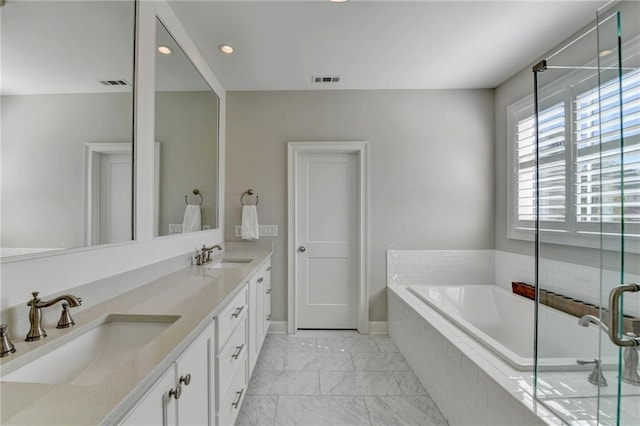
(523, 289)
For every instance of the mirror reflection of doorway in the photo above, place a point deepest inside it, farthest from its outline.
(109, 193)
(114, 212)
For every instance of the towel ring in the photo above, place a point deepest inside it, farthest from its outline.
(248, 192)
(195, 192)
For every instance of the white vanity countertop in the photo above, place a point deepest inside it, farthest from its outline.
(195, 294)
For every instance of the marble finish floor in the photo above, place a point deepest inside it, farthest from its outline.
(335, 378)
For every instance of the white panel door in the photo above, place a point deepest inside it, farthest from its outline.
(326, 231)
(115, 198)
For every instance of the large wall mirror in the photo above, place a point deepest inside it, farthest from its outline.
(67, 124)
(186, 134)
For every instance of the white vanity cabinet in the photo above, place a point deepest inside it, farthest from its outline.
(259, 311)
(232, 366)
(181, 396)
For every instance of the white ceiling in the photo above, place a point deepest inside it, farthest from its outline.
(280, 45)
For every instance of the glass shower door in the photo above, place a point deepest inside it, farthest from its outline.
(619, 214)
(588, 223)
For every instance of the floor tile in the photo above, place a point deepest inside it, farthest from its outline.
(257, 410)
(322, 410)
(318, 361)
(380, 361)
(285, 343)
(284, 383)
(409, 383)
(320, 333)
(385, 344)
(271, 360)
(403, 410)
(358, 383)
(347, 344)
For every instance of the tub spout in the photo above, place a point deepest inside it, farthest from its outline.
(590, 319)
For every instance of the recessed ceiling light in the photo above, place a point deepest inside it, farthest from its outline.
(605, 53)
(225, 48)
(165, 50)
(338, 1)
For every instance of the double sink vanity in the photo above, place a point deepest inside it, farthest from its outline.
(179, 350)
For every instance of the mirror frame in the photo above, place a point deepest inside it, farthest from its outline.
(144, 198)
(51, 273)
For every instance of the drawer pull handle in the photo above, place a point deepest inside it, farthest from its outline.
(175, 393)
(236, 314)
(269, 317)
(269, 291)
(260, 280)
(269, 269)
(185, 379)
(235, 403)
(238, 351)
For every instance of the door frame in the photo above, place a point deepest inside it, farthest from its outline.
(93, 152)
(360, 148)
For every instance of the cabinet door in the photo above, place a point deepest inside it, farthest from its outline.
(156, 407)
(193, 369)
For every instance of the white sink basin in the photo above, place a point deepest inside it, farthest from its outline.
(93, 355)
(230, 263)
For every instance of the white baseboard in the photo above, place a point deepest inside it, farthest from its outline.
(378, 327)
(375, 327)
(278, 327)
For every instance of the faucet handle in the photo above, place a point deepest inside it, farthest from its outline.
(35, 299)
(6, 347)
(65, 318)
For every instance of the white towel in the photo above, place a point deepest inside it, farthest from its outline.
(249, 228)
(192, 219)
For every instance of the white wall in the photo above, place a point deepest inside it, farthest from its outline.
(186, 128)
(43, 163)
(431, 167)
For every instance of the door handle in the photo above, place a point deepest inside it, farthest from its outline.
(614, 313)
(302, 249)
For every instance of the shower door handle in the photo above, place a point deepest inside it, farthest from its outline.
(614, 315)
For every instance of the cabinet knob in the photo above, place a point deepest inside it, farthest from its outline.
(261, 279)
(269, 317)
(269, 291)
(185, 379)
(302, 249)
(175, 393)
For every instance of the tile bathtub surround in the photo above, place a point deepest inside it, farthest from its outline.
(446, 267)
(334, 377)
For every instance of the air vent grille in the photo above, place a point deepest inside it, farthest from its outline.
(325, 79)
(115, 82)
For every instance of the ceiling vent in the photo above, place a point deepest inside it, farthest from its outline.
(325, 79)
(115, 83)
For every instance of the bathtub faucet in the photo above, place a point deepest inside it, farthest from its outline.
(590, 319)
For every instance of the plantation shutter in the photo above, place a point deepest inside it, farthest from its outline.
(552, 158)
(607, 155)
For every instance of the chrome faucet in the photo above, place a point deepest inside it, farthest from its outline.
(205, 254)
(585, 320)
(36, 332)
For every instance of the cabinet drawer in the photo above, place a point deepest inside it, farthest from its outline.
(231, 315)
(232, 354)
(232, 398)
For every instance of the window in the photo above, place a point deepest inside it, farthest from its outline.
(584, 163)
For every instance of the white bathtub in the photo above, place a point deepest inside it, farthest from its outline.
(504, 323)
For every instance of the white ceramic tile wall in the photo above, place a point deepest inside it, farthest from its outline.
(445, 267)
(440, 266)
